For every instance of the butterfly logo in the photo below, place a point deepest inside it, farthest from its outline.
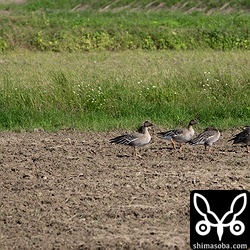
(203, 227)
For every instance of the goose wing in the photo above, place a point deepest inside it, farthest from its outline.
(240, 137)
(126, 139)
(171, 134)
(203, 137)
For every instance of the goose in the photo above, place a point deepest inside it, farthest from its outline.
(137, 139)
(243, 137)
(209, 136)
(180, 135)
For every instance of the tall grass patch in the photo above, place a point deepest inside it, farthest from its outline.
(107, 90)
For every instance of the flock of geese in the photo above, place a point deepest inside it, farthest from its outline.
(181, 135)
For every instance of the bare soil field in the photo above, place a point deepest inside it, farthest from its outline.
(74, 190)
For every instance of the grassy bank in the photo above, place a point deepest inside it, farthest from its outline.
(69, 26)
(107, 90)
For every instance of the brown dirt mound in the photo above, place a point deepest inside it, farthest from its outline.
(73, 190)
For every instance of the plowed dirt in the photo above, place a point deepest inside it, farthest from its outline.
(74, 190)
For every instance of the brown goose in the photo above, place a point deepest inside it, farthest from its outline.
(137, 139)
(243, 137)
(206, 138)
(180, 135)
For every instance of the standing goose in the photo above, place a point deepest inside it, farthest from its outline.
(137, 139)
(243, 137)
(180, 135)
(206, 138)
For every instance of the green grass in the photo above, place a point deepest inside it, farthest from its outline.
(108, 90)
(112, 64)
(51, 26)
(148, 5)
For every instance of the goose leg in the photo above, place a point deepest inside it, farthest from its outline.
(136, 154)
(173, 143)
(207, 148)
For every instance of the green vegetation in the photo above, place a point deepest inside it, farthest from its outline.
(103, 25)
(105, 90)
(145, 5)
(111, 64)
